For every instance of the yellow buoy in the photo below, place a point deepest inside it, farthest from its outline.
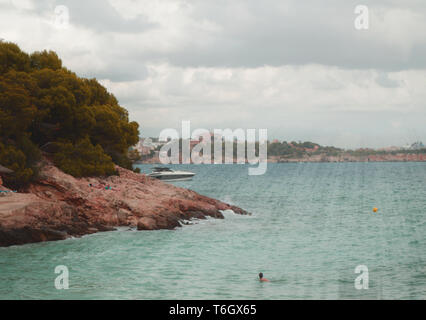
(375, 209)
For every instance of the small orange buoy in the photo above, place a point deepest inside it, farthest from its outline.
(375, 209)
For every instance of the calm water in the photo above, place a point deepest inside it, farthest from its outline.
(312, 224)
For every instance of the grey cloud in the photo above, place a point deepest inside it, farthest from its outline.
(299, 33)
(257, 33)
(298, 68)
(97, 15)
(253, 33)
(119, 70)
(384, 80)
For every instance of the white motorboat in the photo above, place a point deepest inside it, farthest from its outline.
(167, 174)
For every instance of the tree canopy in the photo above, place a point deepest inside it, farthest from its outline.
(42, 102)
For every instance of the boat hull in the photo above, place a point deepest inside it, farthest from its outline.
(172, 177)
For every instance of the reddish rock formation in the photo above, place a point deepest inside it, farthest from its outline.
(59, 206)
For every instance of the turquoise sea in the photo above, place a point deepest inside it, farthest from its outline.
(312, 225)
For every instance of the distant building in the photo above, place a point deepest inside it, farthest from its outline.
(143, 147)
(146, 146)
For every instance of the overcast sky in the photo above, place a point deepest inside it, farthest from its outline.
(297, 68)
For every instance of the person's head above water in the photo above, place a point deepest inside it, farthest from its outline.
(261, 278)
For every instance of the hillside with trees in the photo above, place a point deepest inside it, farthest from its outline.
(44, 107)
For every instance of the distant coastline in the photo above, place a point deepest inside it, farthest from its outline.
(289, 152)
(332, 159)
(350, 158)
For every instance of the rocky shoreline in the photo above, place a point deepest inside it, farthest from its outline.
(400, 157)
(59, 206)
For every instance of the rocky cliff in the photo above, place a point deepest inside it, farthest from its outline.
(59, 206)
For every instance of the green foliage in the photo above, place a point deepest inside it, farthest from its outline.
(83, 159)
(11, 57)
(299, 149)
(15, 159)
(42, 102)
(134, 155)
(44, 59)
(278, 148)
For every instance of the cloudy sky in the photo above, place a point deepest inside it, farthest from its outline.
(297, 68)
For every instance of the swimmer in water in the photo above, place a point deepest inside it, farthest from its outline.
(261, 278)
